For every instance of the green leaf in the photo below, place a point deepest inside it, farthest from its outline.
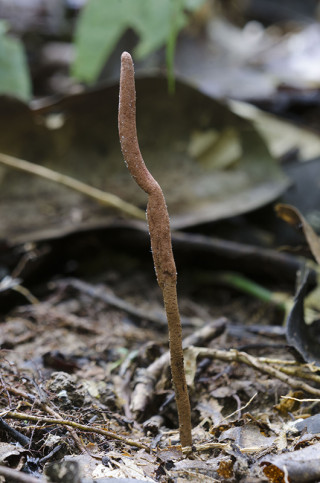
(154, 24)
(192, 5)
(102, 23)
(99, 27)
(14, 73)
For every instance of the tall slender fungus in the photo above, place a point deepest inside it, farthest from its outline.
(160, 236)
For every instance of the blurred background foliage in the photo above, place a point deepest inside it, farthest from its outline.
(101, 25)
(57, 47)
(14, 72)
(94, 28)
(266, 53)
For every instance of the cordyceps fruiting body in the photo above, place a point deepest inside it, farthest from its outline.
(160, 236)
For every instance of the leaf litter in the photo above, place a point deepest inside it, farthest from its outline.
(96, 356)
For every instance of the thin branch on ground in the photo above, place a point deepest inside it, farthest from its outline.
(300, 400)
(300, 372)
(99, 292)
(201, 448)
(295, 368)
(102, 197)
(235, 356)
(20, 393)
(73, 424)
(46, 407)
(281, 362)
(73, 433)
(147, 378)
(16, 435)
(240, 409)
(17, 476)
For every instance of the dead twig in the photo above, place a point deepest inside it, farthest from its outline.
(240, 409)
(102, 197)
(294, 368)
(45, 407)
(300, 400)
(73, 424)
(73, 433)
(242, 357)
(16, 435)
(18, 476)
(300, 371)
(243, 256)
(148, 377)
(160, 235)
(100, 292)
(20, 393)
(202, 448)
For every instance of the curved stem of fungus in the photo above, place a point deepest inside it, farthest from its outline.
(160, 236)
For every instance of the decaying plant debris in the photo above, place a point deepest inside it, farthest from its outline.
(73, 397)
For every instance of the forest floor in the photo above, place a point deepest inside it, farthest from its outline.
(84, 380)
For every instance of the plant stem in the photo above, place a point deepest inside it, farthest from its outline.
(245, 285)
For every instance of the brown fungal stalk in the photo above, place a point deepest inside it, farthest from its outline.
(160, 236)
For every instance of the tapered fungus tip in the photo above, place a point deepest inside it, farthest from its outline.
(126, 57)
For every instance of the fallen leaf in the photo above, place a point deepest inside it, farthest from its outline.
(12, 455)
(281, 136)
(298, 466)
(301, 336)
(291, 215)
(85, 146)
(249, 438)
(311, 424)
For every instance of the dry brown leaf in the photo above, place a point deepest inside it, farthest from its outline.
(292, 215)
(298, 466)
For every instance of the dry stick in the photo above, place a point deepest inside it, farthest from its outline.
(100, 293)
(18, 477)
(73, 433)
(16, 435)
(49, 410)
(235, 356)
(73, 424)
(102, 197)
(159, 228)
(300, 372)
(148, 377)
